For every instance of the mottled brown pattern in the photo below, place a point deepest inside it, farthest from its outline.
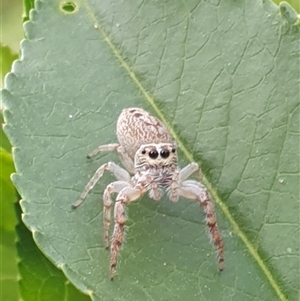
(135, 127)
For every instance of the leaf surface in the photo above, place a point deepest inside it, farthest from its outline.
(223, 77)
(41, 280)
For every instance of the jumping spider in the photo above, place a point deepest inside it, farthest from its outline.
(146, 150)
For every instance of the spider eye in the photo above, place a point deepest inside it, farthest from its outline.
(164, 154)
(173, 150)
(153, 154)
(143, 152)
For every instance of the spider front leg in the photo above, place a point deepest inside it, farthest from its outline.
(126, 160)
(103, 148)
(119, 173)
(114, 187)
(126, 195)
(196, 191)
(179, 176)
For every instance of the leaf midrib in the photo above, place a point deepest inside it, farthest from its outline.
(237, 229)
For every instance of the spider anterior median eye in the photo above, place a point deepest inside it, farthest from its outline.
(153, 154)
(165, 154)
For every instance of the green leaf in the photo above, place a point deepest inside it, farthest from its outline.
(6, 59)
(4, 143)
(27, 6)
(9, 272)
(223, 77)
(40, 280)
(7, 192)
(38, 276)
(294, 3)
(8, 254)
(288, 13)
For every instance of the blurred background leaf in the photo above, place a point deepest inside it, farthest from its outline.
(8, 254)
(7, 56)
(12, 24)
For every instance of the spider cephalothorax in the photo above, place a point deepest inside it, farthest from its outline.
(157, 164)
(160, 155)
(147, 152)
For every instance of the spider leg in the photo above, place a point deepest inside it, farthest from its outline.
(114, 187)
(126, 160)
(119, 173)
(189, 170)
(196, 191)
(173, 191)
(126, 195)
(103, 148)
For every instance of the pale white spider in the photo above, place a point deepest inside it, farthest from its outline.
(146, 150)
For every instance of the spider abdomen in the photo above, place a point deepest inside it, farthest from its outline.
(136, 126)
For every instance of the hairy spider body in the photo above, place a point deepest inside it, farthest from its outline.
(159, 172)
(146, 150)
